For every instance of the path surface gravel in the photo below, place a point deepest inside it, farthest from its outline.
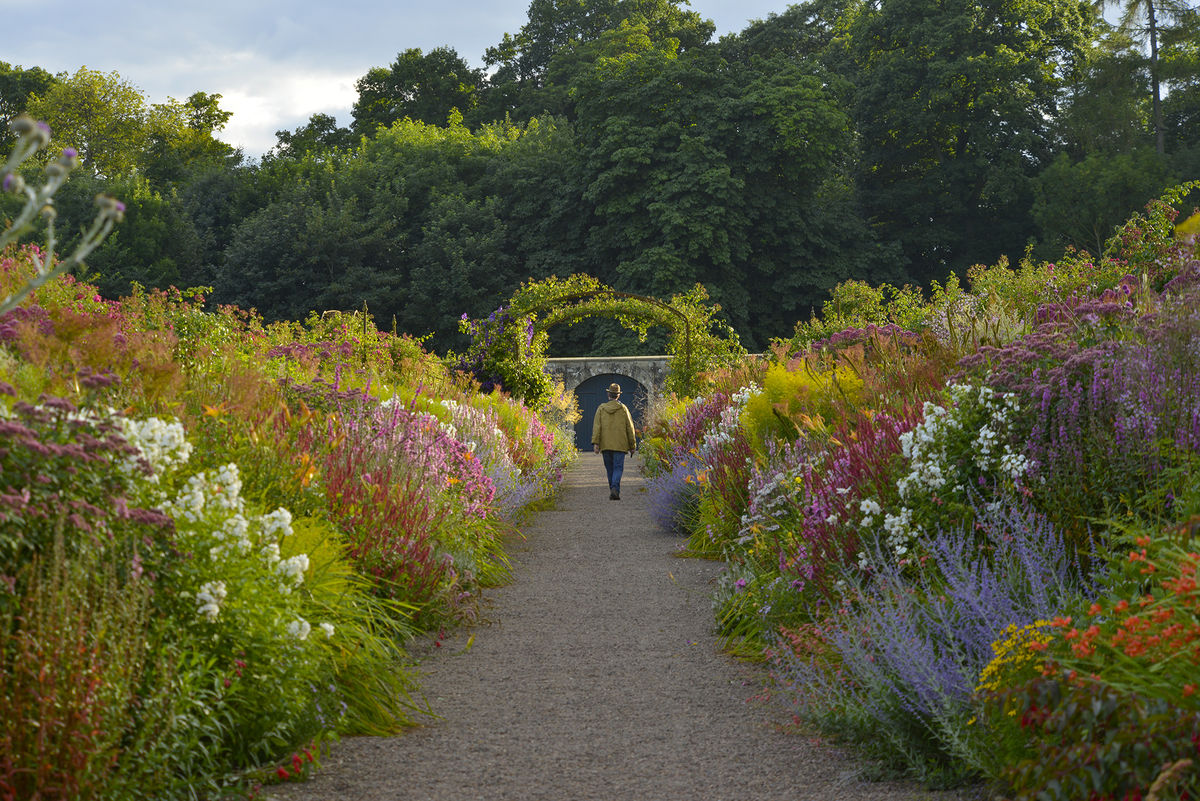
(596, 676)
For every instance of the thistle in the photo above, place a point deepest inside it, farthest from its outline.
(32, 136)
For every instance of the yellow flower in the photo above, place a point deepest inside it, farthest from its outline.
(1016, 650)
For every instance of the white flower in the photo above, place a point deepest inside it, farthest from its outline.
(227, 488)
(270, 552)
(163, 445)
(869, 506)
(278, 523)
(209, 599)
(299, 628)
(236, 529)
(327, 628)
(293, 568)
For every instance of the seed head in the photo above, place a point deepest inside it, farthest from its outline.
(69, 158)
(21, 124)
(110, 207)
(41, 133)
(14, 183)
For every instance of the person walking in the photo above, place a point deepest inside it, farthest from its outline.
(613, 437)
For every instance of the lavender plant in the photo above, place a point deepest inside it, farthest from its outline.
(33, 136)
(674, 493)
(910, 645)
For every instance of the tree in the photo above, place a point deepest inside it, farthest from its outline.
(100, 115)
(108, 121)
(16, 86)
(803, 32)
(1080, 204)
(421, 87)
(1104, 108)
(953, 103)
(180, 139)
(1144, 20)
(462, 264)
(524, 62)
(1181, 107)
(156, 244)
(320, 135)
(702, 172)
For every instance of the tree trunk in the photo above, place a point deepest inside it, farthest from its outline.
(1159, 138)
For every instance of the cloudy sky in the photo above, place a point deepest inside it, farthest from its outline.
(275, 63)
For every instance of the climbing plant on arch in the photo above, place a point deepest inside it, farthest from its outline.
(508, 348)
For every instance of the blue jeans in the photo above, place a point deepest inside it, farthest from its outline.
(614, 465)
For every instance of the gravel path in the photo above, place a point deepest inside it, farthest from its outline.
(596, 677)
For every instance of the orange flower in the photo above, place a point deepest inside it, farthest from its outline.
(1135, 648)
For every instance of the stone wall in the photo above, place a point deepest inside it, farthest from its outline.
(649, 371)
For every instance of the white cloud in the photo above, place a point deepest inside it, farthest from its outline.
(282, 98)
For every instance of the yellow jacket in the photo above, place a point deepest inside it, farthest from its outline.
(612, 428)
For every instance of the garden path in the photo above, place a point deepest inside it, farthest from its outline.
(595, 676)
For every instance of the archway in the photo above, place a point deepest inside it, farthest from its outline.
(508, 349)
(594, 391)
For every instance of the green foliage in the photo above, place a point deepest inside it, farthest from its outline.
(857, 304)
(423, 87)
(556, 31)
(1079, 204)
(320, 134)
(108, 121)
(509, 347)
(1089, 740)
(156, 245)
(939, 176)
(17, 85)
(774, 414)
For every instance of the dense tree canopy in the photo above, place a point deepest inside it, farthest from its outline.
(953, 102)
(879, 140)
(17, 85)
(424, 87)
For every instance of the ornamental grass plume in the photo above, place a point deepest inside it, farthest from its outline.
(843, 487)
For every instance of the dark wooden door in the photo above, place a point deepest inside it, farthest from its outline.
(594, 391)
